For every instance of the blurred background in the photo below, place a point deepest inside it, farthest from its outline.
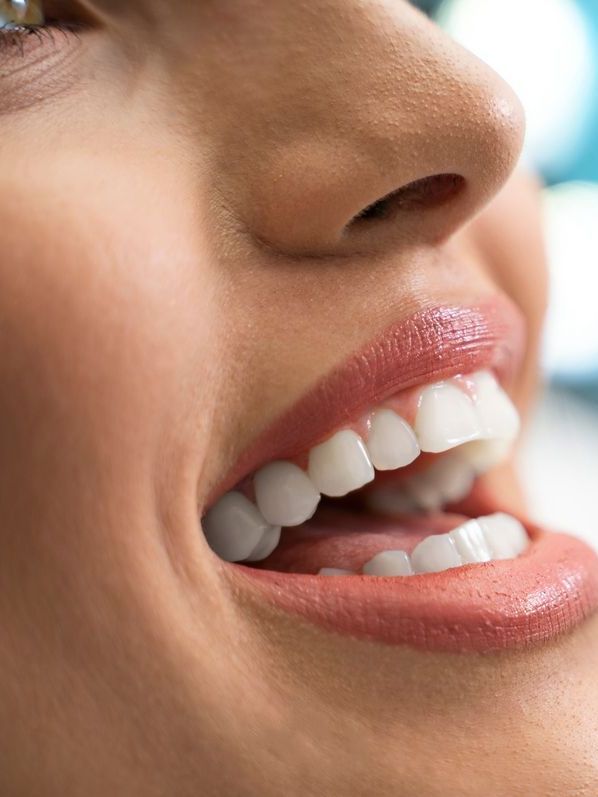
(548, 51)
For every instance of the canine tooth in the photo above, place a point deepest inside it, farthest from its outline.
(389, 563)
(434, 554)
(391, 442)
(497, 414)
(390, 501)
(266, 545)
(234, 527)
(285, 494)
(335, 571)
(445, 419)
(471, 543)
(505, 535)
(340, 464)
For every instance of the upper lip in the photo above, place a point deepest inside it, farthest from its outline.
(435, 343)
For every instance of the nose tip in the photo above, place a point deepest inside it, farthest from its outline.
(402, 136)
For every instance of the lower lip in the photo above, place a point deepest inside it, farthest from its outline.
(504, 605)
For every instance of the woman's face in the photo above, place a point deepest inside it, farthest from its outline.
(230, 229)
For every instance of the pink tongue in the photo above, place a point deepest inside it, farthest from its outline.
(349, 540)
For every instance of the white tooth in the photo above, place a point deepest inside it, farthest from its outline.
(340, 465)
(434, 554)
(471, 543)
(389, 563)
(266, 545)
(505, 535)
(453, 476)
(496, 412)
(446, 418)
(391, 442)
(390, 501)
(234, 527)
(424, 493)
(483, 455)
(335, 571)
(285, 494)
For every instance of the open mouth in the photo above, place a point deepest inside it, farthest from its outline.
(380, 528)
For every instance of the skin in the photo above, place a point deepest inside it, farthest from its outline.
(175, 271)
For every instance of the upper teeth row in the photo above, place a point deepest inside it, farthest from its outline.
(287, 496)
(479, 540)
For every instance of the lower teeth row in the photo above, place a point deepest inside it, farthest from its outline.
(479, 540)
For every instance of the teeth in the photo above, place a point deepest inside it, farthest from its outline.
(471, 544)
(505, 535)
(483, 426)
(446, 418)
(434, 554)
(391, 442)
(340, 465)
(285, 495)
(483, 455)
(267, 544)
(389, 563)
(496, 412)
(452, 476)
(335, 571)
(234, 527)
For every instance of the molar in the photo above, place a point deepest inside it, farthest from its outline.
(234, 527)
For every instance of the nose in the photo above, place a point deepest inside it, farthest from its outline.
(385, 131)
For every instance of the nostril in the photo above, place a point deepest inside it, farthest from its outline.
(429, 192)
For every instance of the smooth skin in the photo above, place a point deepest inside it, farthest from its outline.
(178, 265)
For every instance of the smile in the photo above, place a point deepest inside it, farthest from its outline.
(364, 509)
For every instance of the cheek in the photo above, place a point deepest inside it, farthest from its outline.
(105, 307)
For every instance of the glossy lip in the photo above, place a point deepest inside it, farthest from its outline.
(491, 607)
(435, 343)
(514, 604)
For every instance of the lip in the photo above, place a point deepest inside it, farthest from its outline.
(514, 604)
(435, 343)
(500, 605)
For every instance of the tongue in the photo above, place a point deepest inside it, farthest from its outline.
(348, 540)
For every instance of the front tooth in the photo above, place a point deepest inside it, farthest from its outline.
(266, 545)
(505, 535)
(340, 465)
(434, 554)
(285, 494)
(445, 419)
(389, 563)
(334, 571)
(497, 414)
(471, 543)
(234, 527)
(391, 442)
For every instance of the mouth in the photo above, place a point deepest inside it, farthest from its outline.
(365, 509)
